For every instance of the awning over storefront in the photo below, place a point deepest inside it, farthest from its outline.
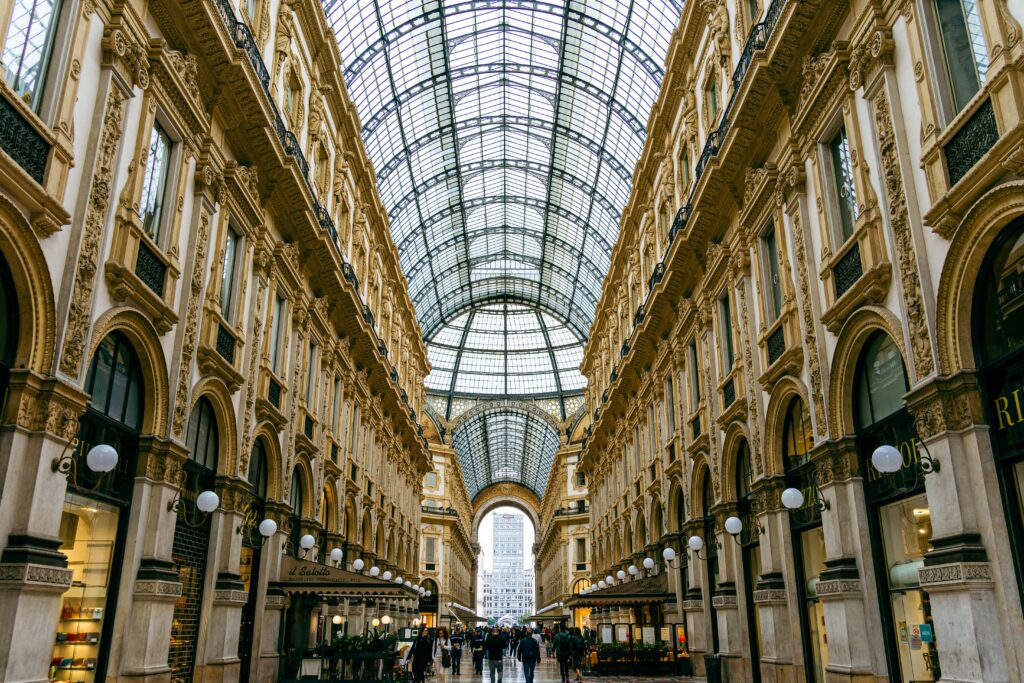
(303, 576)
(460, 613)
(555, 611)
(643, 591)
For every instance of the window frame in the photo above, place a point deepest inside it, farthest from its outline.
(277, 324)
(938, 62)
(727, 346)
(774, 296)
(43, 101)
(832, 187)
(311, 374)
(159, 125)
(231, 280)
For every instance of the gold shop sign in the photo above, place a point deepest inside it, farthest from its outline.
(1008, 409)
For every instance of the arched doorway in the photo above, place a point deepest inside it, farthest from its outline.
(94, 521)
(998, 331)
(252, 543)
(808, 537)
(192, 538)
(899, 520)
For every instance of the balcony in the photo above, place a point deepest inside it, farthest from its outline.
(447, 512)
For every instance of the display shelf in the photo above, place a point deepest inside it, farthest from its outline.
(79, 600)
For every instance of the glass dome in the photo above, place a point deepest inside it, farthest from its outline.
(501, 350)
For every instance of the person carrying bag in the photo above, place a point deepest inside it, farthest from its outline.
(442, 653)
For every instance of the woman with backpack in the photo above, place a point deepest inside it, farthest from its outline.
(442, 653)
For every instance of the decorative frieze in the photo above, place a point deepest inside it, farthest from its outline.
(92, 234)
(25, 575)
(899, 219)
(956, 575)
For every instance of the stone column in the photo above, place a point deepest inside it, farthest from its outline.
(973, 625)
(847, 588)
(140, 644)
(269, 616)
(780, 634)
(33, 571)
(229, 596)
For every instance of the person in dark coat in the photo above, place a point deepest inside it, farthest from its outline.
(420, 654)
(495, 647)
(529, 654)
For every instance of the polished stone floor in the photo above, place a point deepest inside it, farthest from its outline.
(547, 672)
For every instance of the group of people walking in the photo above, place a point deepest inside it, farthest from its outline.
(444, 651)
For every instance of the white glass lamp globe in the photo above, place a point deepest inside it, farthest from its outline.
(386, 619)
(429, 593)
(358, 564)
(609, 580)
(887, 459)
(648, 563)
(792, 499)
(207, 501)
(336, 620)
(386, 576)
(101, 458)
(734, 525)
(268, 528)
(695, 543)
(408, 584)
(375, 622)
(307, 542)
(336, 555)
(633, 571)
(601, 584)
(374, 570)
(620, 575)
(398, 579)
(669, 554)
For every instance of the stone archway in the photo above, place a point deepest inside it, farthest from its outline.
(505, 494)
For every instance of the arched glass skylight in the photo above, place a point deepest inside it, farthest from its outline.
(505, 445)
(503, 350)
(504, 134)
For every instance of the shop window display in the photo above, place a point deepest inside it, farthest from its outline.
(88, 532)
(812, 554)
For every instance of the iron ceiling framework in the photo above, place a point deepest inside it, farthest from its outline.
(504, 134)
(505, 445)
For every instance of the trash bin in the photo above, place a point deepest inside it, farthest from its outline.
(713, 668)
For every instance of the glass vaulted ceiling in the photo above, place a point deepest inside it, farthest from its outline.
(504, 134)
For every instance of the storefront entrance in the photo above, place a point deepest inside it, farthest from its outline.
(94, 521)
(808, 538)
(249, 563)
(192, 540)
(899, 519)
(999, 349)
(750, 555)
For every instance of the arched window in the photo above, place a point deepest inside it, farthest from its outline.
(881, 381)
(202, 434)
(579, 585)
(258, 469)
(295, 496)
(744, 473)
(115, 382)
(797, 439)
(707, 494)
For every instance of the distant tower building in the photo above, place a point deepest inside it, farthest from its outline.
(508, 590)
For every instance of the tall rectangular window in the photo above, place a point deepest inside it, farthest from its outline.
(581, 550)
(694, 375)
(963, 48)
(842, 177)
(276, 332)
(652, 429)
(770, 269)
(311, 376)
(670, 405)
(725, 311)
(28, 47)
(227, 276)
(636, 451)
(581, 480)
(336, 405)
(431, 550)
(154, 182)
(352, 432)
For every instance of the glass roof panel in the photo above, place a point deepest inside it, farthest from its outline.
(515, 103)
(505, 445)
(504, 134)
